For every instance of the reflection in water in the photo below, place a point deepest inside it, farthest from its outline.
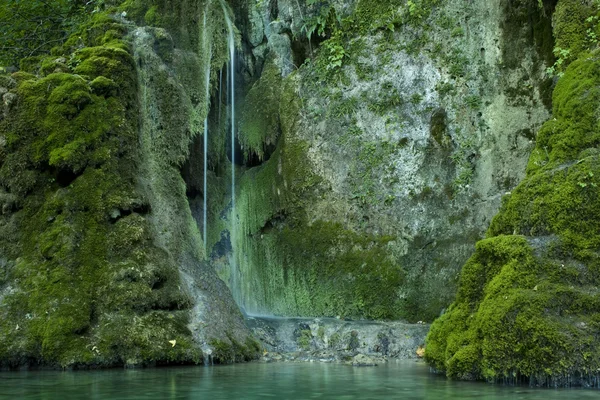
(402, 380)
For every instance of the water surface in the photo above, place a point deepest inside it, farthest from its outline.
(407, 380)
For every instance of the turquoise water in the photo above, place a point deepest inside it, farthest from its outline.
(396, 380)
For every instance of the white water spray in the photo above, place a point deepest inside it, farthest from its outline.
(220, 95)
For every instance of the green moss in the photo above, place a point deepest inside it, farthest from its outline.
(334, 340)
(389, 14)
(305, 339)
(321, 333)
(527, 305)
(292, 265)
(230, 350)
(90, 285)
(537, 20)
(152, 16)
(576, 28)
(103, 86)
(182, 21)
(259, 120)
(438, 128)
(99, 30)
(329, 259)
(51, 65)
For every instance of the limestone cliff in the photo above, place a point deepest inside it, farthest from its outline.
(527, 304)
(377, 152)
(356, 152)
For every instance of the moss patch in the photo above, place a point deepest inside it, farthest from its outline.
(527, 307)
(259, 121)
(89, 286)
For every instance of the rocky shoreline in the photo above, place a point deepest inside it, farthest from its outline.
(332, 340)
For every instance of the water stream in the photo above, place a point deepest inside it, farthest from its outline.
(207, 58)
(231, 80)
(407, 380)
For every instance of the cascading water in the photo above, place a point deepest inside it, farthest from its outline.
(205, 184)
(231, 42)
(207, 57)
(220, 95)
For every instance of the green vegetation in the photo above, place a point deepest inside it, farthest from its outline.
(230, 350)
(305, 339)
(294, 265)
(527, 306)
(259, 120)
(316, 268)
(32, 28)
(90, 286)
(576, 28)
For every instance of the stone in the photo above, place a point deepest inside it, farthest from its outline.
(362, 360)
(9, 99)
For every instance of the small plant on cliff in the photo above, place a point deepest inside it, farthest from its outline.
(561, 56)
(320, 21)
(326, 23)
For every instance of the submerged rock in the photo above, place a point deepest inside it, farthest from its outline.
(362, 360)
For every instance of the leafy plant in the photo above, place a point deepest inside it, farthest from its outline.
(33, 27)
(335, 53)
(561, 56)
(325, 18)
(326, 23)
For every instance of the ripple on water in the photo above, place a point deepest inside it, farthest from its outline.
(407, 380)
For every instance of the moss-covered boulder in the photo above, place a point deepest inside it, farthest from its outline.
(84, 284)
(528, 306)
(98, 267)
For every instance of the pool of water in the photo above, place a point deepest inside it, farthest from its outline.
(397, 380)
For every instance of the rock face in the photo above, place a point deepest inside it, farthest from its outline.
(372, 146)
(382, 160)
(527, 304)
(359, 343)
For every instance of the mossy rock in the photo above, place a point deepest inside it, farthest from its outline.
(229, 350)
(527, 305)
(259, 121)
(576, 28)
(89, 287)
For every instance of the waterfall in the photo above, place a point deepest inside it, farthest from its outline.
(207, 57)
(231, 41)
(232, 81)
(220, 95)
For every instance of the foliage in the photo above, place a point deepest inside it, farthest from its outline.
(576, 28)
(326, 23)
(33, 27)
(323, 19)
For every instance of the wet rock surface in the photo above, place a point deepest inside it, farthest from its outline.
(331, 340)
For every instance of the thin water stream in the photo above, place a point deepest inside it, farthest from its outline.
(407, 380)
(207, 58)
(231, 80)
